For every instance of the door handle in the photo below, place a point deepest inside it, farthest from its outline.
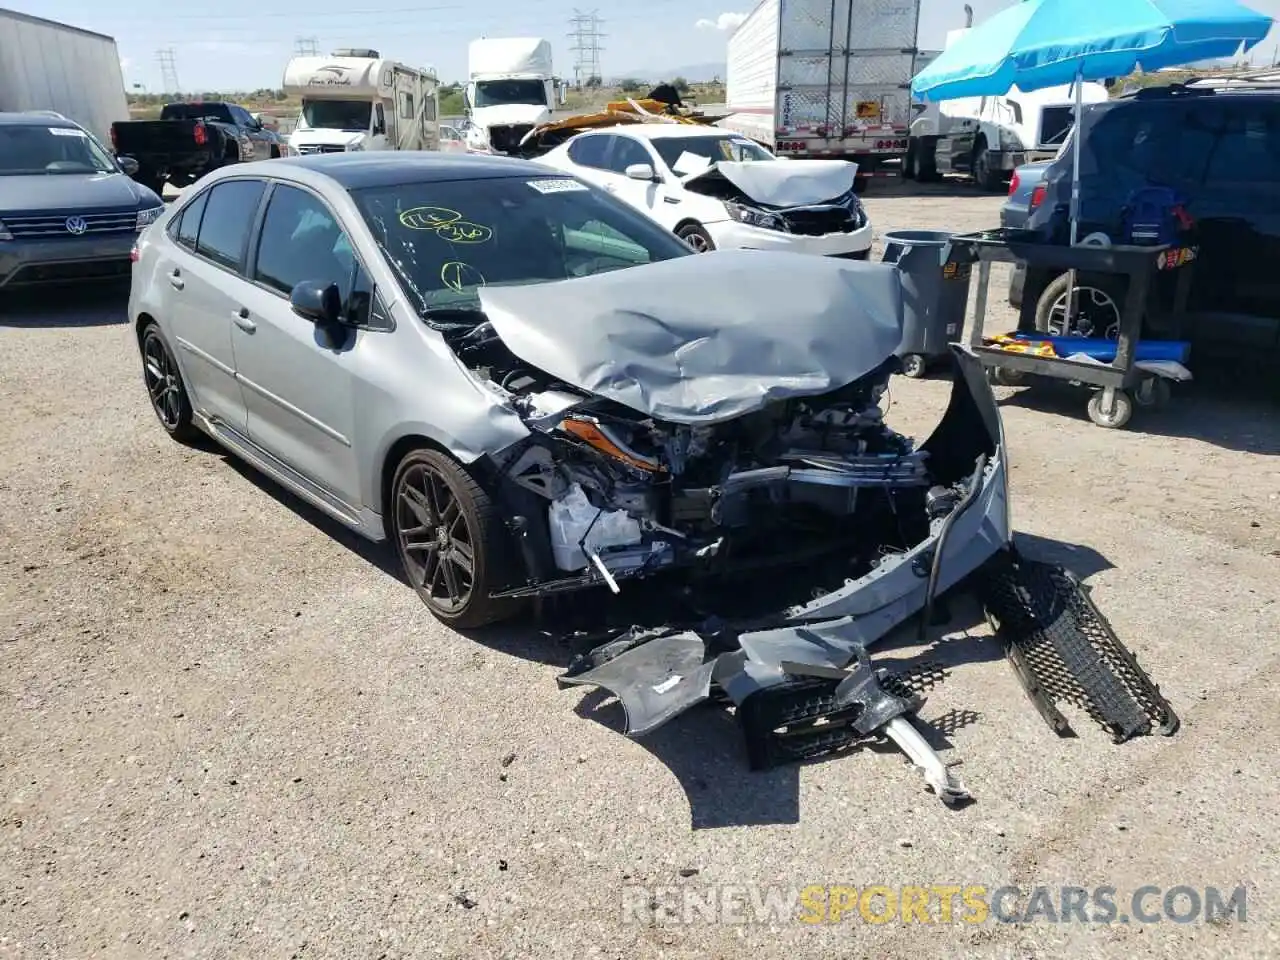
(176, 281)
(243, 322)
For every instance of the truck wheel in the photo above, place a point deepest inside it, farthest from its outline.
(910, 161)
(987, 177)
(927, 160)
(696, 236)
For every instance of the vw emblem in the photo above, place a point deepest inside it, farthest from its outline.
(77, 225)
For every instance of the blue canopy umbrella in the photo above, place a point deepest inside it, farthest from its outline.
(1045, 43)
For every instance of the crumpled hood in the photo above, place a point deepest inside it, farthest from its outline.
(71, 193)
(706, 337)
(325, 138)
(510, 113)
(782, 184)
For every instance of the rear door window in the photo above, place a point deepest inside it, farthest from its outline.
(227, 221)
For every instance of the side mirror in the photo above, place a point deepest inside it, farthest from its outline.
(128, 166)
(317, 301)
(641, 171)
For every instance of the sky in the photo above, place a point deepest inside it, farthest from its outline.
(244, 44)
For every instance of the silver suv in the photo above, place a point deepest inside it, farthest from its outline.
(68, 210)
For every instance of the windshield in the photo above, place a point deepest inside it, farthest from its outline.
(445, 240)
(712, 149)
(197, 111)
(31, 148)
(353, 115)
(497, 93)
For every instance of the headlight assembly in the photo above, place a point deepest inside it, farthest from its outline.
(755, 218)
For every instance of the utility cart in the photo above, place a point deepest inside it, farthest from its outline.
(1117, 386)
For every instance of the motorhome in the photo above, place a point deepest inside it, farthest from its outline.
(511, 88)
(356, 100)
(989, 137)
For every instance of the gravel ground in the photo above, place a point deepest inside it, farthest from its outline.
(229, 730)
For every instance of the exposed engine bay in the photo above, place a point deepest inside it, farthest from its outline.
(630, 495)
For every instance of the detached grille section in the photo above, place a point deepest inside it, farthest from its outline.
(51, 227)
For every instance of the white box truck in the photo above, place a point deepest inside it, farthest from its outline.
(51, 66)
(825, 78)
(356, 100)
(510, 89)
(989, 137)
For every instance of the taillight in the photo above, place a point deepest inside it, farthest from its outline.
(1013, 183)
(133, 254)
(201, 135)
(1037, 196)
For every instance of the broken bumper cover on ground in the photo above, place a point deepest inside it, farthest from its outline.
(804, 684)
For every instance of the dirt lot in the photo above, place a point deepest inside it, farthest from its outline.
(229, 730)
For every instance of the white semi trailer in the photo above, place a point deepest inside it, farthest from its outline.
(356, 100)
(825, 78)
(46, 65)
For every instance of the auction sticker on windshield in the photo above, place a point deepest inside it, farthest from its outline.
(556, 185)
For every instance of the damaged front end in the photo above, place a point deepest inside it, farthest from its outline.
(672, 433)
(786, 197)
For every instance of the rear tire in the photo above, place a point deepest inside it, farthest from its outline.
(167, 392)
(1098, 302)
(910, 161)
(696, 236)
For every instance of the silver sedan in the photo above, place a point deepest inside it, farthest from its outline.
(530, 388)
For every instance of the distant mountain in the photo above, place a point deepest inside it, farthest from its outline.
(694, 73)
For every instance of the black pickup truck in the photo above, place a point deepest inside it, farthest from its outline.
(190, 139)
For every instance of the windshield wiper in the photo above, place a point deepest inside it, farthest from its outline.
(453, 317)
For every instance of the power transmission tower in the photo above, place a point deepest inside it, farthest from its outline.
(168, 70)
(586, 38)
(307, 47)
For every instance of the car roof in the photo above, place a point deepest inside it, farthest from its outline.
(37, 118)
(386, 168)
(661, 131)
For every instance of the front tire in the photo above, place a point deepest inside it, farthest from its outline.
(163, 379)
(986, 176)
(449, 538)
(696, 236)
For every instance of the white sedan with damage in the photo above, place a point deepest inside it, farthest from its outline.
(717, 190)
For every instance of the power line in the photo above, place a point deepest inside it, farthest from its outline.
(307, 46)
(168, 70)
(586, 37)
